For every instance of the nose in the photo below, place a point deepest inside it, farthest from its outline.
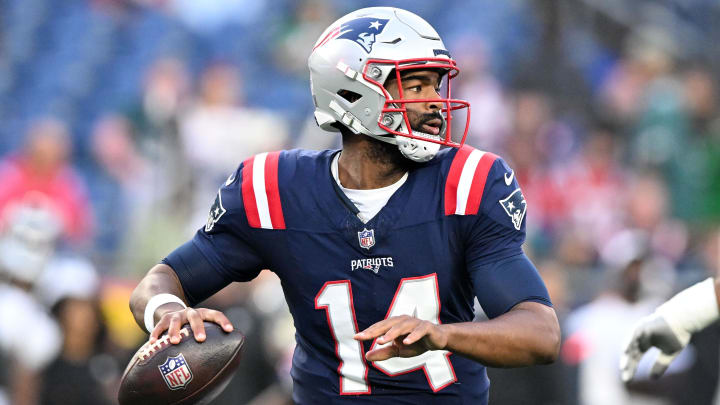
(435, 104)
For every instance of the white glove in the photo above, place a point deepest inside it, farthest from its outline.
(670, 327)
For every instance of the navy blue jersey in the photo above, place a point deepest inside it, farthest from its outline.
(452, 232)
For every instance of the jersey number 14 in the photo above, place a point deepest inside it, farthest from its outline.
(412, 297)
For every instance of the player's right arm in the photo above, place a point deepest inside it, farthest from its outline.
(671, 326)
(220, 253)
(171, 316)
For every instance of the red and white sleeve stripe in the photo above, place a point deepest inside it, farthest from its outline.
(261, 196)
(466, 181)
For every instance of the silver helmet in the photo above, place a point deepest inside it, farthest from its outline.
(357, 54)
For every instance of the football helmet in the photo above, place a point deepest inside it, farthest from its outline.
(357, 54)
(27, 242)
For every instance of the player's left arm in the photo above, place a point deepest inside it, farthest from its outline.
(527, 334)
(523, 328)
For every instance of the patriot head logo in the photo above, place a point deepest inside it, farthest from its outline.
(362, 31)
(216, 211)
(515, 206)
(176, 372)
(366, 238)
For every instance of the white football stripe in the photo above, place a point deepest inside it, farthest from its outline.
(465, 182)
(261, 201)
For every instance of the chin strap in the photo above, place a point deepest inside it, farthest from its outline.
(416, 149)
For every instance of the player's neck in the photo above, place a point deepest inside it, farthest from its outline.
(369, 164)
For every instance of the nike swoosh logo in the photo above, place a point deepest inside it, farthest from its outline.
(509, 179)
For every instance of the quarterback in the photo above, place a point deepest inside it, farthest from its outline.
(381, 247)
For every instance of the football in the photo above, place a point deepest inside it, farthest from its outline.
(185, 373)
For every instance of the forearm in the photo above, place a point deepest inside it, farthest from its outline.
(161, 279)
(528, 334)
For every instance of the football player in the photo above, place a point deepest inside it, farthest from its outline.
(381, 247)
(670, 327)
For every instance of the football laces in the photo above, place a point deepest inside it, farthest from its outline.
(159, 344)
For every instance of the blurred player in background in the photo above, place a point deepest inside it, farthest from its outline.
(29, 337)
(671, 326)
(381, 247)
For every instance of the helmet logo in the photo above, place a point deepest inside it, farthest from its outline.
(362, 31)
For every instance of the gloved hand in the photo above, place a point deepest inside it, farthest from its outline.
(652, 331)
(669, 328)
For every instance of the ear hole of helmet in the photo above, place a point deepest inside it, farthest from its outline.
(348, 95)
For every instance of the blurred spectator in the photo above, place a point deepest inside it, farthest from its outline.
(42, 169)
(29, 338)
(490, 123)
(120, 186)
(165, 93)
(538, 144)
(219, 132)
(155, 117)
(589, 190)
(596, 331)
(648, 209)
(70, 287)
(694, 174)
(69, 379)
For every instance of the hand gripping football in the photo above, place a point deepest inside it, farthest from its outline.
(185, 373)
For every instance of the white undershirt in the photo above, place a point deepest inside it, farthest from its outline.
(368, 202)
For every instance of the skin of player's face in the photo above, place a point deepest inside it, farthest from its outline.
(416, 85)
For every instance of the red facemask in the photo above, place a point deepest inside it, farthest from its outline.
(399, 105)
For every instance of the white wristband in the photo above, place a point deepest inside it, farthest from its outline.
(152, 306)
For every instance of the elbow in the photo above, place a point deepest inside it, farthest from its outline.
(548, 348)
(134, 297)
(136, 305)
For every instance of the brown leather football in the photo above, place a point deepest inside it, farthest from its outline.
(186, 373)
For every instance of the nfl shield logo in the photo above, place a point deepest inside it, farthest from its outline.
(176, 372)
(367, 238)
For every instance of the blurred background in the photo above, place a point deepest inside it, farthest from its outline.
(120, 118)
